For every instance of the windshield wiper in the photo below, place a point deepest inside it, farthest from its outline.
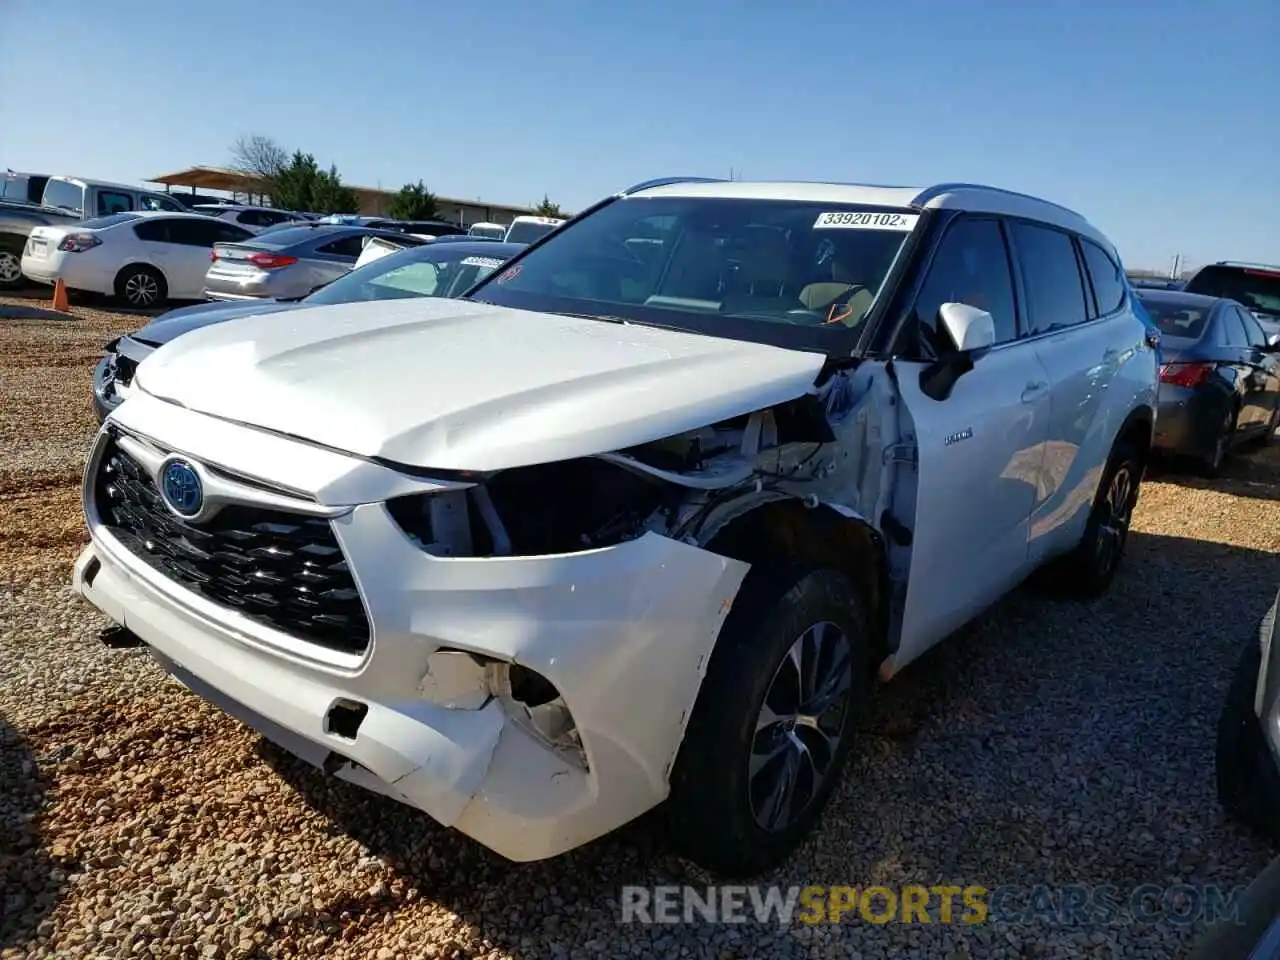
(595, 316)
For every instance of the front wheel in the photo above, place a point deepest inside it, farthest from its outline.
(773, 723)
(1247, 778)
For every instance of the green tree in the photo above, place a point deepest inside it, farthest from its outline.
(547, 209)
(293, 187)
(413, 201)
(330, 195)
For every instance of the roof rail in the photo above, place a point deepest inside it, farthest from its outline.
(665, 181)
(929, 193)
(1246, 263)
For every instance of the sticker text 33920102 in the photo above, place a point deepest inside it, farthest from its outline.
(866, 220)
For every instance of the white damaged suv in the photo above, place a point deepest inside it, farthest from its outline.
(644, 516)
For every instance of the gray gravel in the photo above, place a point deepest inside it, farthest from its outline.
(1051, 743)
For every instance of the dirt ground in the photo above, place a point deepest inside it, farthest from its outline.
(1051, 742)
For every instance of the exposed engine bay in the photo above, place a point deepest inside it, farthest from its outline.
(833, 447)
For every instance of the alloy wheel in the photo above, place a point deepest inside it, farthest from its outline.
(1115, 515)
(799, 726)
(10, 267)
(141, 290)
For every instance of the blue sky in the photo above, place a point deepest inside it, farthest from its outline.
(1157, 121)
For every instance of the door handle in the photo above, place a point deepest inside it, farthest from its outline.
(1034, 391)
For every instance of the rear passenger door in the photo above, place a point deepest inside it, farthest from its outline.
(1075, 300)
(978, 451)
(192, 240)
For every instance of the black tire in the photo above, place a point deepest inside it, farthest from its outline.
(1091, 567)
(712, 810)
(11, 262)
(1247, 779)
(1212, 463)
(141, 287)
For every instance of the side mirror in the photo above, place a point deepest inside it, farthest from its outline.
(969, 328)
(971, 331)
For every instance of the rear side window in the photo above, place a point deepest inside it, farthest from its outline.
(971, 266)
(1050, 278)
(1252, 331)
(344, 246)
(193, 233)
(1232, 327)
(1106, 276)
(154, 231)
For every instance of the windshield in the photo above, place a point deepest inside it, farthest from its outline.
(792, 273)
(528, 231)
(1180, 321)
(1258, 289)
(418, 272)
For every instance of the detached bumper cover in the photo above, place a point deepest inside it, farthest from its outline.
(624, 633)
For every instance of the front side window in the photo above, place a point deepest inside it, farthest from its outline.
(794, 273)
(110, 202)
(1107, 277)
(971, 266)
(1050, 277)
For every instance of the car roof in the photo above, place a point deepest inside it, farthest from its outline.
(970, 197)
(1179, 298)
(478, 248)
(105, 184)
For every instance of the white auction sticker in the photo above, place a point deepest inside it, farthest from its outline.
(482, 262)
(854, 220)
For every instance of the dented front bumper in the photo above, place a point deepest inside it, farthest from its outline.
(623, 633)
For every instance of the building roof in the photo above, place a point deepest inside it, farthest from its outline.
(233, 181)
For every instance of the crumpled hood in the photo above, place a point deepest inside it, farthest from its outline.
(456, 385)
(174, 323)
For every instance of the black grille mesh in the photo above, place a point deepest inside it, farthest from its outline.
(284, 570)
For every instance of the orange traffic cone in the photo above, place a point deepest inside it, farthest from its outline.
(60, 303)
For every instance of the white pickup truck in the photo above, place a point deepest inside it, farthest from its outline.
(644, 517)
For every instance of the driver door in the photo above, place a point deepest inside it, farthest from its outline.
(980, 450)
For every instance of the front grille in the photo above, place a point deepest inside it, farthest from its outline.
(284, 570)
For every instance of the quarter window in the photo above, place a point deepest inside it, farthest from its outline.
(1106, 276)
(1233, 328)
(971, 266)
(1050, 277)
(1253, 332)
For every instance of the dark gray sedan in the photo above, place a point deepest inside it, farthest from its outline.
(289, 262)
(1219, 379)
(425, 270)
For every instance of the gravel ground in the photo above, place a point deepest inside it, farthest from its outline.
(1051, 743)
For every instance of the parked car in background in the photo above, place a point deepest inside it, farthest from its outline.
(22, 187)
(193, 200)
(1248, 750)
(1155, 283)
(1256, 285)
(488, 231)
(529, 229)
(253, 219)
(1220, 378)
(143, 259)
(288, 262)
(420, 270)
(67, 201)
(628, 527)
(470, 238)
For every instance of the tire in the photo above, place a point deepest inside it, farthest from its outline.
(11, 262)
(1090, 568)
(1211, 465)
(718, 811)
(1269, 435)
(1248, 781)
(141, 287)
